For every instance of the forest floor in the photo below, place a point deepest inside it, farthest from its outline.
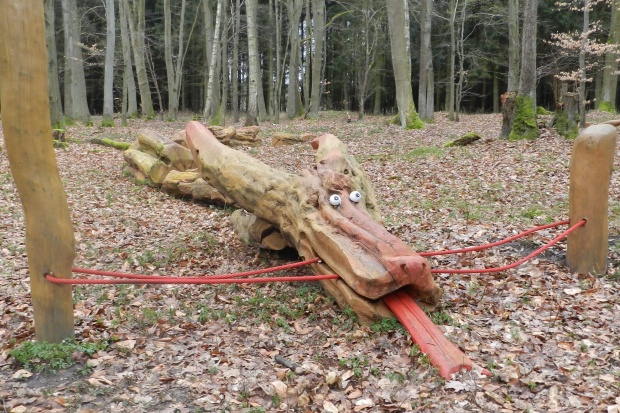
(550, 338)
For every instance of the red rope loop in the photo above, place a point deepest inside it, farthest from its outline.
(495, 244)
(514, 264)
(231, 278)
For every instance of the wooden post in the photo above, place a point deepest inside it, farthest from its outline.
(50, 243)
(590, 175)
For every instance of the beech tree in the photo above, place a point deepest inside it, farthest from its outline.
(293, 96)
(398, 22)
(210, 103)
(524, 125)
(173, 72)
(76, 103)
(136, 24)
(318, 18)
(56, 112)
(426, 92)
(255, 77)
(610, 71)
(129, 104)
(108, 82)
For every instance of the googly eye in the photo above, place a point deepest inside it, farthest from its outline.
(335, 200)
(355, 196)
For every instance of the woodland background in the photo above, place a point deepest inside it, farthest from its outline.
(142, 57)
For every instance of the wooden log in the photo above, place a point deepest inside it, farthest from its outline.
(50, 243)
(174, 179)
(371, 261)
(247, 133)
(149, 165)
(256, 231)
(223, 134)
(169, 152)
(179, 138)
(202, 191)
(590, 175)
(284, 138)
(136, 173)
(464, 140)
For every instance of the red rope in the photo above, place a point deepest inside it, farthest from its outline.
(189, 280)
(218, 276)
(230, 278)
(494, 244)
(516, 263)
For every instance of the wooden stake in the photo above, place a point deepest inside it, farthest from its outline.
(27, 127)
(590, 175)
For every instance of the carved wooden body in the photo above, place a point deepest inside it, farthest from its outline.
(348, 240)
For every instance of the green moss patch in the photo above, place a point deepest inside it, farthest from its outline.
(524, 125)
(607, 107)
(413, 120)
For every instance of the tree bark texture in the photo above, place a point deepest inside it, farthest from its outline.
(129, 100)
(398, 17)
(108, 82)
(514, 45)
(135, 18)
(76, 104)
(56, 111)
(255, 77)
(318, 13)
(293, 97)
(527, 77)
(610, 78)
(426, 93)
(210, 100)
(50, 242)
(582, 64)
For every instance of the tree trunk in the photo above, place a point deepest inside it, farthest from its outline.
(566, 116)
(582, 64)
(235, 61)
(130, 103)
(135, 18)
(52, 64)
(279, 75)
(173, 74)
(426, 92)
(221, 111)
(210, 101)
(524, 125)
(76, 103)
(451, 86)
(508, 114)
(460, 45)
(50, 243)
(255, 77)
(293, 96)
(513, 45)
(495, 91)
(108, 81)
(318, 14)
(610, 77)
(398, 22)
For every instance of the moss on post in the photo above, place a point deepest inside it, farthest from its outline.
(524, 125)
